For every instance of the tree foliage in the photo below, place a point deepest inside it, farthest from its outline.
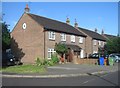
(5, 36)
(113, 45)
(61, 48)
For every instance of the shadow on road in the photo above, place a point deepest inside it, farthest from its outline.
(103, 79)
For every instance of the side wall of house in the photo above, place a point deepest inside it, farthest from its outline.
(89, 45)
(27, 44)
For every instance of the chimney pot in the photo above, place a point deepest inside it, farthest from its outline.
(76, 24)
(102, 31)
(67, 21)
(27, 9)
(96, 30)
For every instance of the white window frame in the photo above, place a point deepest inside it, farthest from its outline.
(100, 43)
(72, 38)
(94, 42)
(50, 51)
(51, 35)
(80, 39)
(63, 37)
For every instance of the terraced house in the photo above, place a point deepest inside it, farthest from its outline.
(93, 40)
(35, 36)
(108, 36)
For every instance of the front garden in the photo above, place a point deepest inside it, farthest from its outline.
(39, 66)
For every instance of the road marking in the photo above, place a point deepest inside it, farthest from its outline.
(66, 68)
(87, 81)
(45, 76)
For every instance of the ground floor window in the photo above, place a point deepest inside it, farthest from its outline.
(50, 52)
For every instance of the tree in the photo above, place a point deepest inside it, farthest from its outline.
(61, 49)
(113, 45)
(5, 36)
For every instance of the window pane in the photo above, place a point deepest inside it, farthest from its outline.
(72, 38)
(63, 37)
(51, 35)
(81, 40)
(50, 52)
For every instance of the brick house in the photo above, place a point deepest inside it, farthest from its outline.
(35, 36)
(93, 40)
(108, 36)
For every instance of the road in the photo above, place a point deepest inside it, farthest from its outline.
(110, 79)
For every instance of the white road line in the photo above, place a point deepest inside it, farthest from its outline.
(66, 68)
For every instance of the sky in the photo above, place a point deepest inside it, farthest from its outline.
(89, 15)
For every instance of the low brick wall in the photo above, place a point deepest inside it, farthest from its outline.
(85, 61)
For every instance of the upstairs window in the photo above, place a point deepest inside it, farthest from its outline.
(80, 39)
(72, 38)
(94, 42)
(51, 35)
(63, 37)
(99, 42)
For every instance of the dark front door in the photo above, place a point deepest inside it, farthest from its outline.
(69, 56)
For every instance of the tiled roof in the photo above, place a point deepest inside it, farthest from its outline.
(50, 24)
(74, 47)
(107, 36)
(92, 34)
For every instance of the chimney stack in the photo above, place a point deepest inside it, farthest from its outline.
(96, 30)
(76, 24)
(67, 21)
(102, 32)
(27, 9)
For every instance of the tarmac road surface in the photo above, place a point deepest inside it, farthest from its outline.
(109, 79)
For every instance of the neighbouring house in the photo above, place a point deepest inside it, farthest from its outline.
(35, 36)
(93, 41)
(108, 36)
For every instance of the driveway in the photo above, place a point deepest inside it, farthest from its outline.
(71, 68)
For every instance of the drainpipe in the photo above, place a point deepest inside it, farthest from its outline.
(44, 44)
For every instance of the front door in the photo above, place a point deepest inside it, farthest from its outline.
(82, 54)
(69, 56)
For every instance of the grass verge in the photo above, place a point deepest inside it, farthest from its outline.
(24, 69)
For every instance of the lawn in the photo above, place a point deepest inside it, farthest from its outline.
(24, 69)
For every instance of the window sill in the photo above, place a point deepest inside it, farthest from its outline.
(52, 39)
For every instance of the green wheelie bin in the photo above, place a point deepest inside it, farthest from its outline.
(111, 61)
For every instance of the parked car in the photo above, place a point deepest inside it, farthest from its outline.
(115, 56)
(7, 59)
(97, 55)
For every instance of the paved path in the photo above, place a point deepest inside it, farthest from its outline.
(68, 70)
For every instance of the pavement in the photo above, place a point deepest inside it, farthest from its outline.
(68, 70)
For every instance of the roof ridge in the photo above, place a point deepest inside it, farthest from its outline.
(92, 33)
(49, 19)
(88, 30)
(110, 35)
(55, 25)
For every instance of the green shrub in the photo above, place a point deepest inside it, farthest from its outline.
(39, 62)
(50, 63)
(46, 62)
(54, 58)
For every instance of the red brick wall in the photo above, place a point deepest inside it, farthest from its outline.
(51, 43)
(29, 41)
